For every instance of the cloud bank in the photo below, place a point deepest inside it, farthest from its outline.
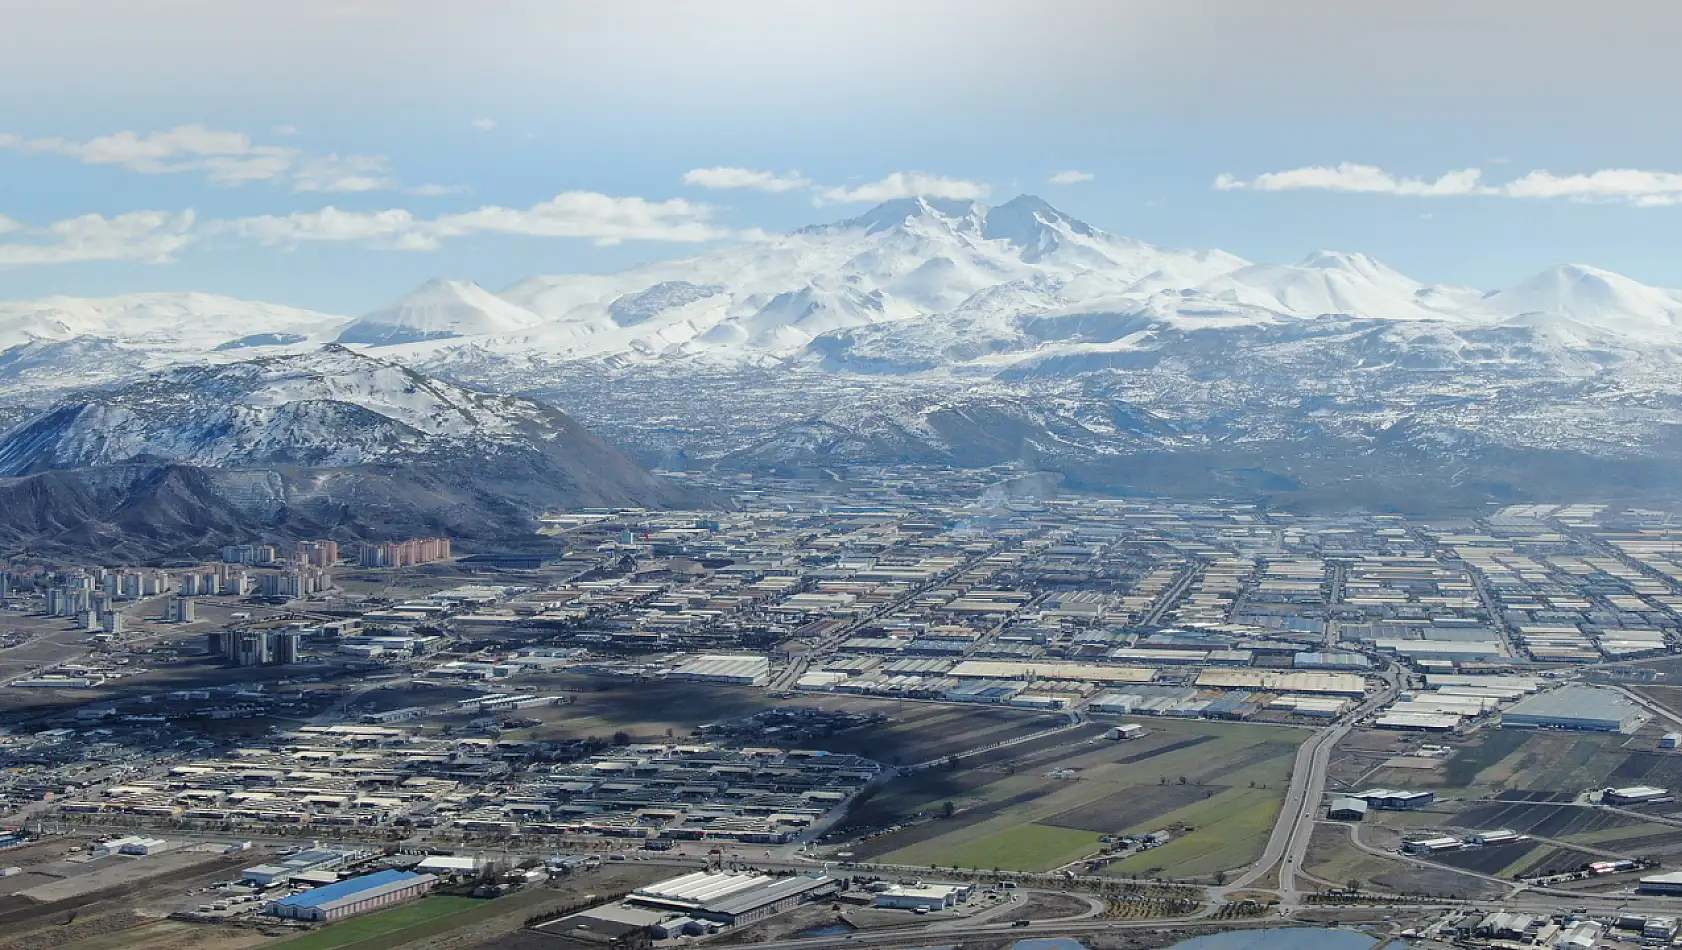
(1637, 187)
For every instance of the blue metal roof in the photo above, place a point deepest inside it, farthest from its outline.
(332, 892)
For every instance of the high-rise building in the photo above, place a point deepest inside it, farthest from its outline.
(111, 621)
(260, 554)
(283, 647)
(66, 601)
(318, 553)
(179, 610)
(249, 647)
(404, 553)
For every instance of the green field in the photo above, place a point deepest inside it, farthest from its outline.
(1022, 847)
(1228, 831)
(1222, 781)
(358, 929)
(1495, 760)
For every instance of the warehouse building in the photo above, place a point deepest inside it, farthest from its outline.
(731, 897)
(1335, 684)
(1584, 708)
(1635, 795)
(1430, 845)
(1347, 808)
(1669, 883)
(355, 896)
(734, 670)
(921, 896)
(1390, 799)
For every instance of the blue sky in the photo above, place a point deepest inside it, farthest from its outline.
(196, 144)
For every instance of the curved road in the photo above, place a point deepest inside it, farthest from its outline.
(1291, 833)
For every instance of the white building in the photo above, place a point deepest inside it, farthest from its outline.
(920, 895)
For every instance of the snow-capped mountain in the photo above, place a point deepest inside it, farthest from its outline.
(906, 260)
(914, 285)
(331, 407)
(328, 440)
(945, 331)
(187, 323)
(439, 310)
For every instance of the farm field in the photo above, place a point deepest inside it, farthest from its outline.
(1498, 761)
(1047, 802)
(646, 710)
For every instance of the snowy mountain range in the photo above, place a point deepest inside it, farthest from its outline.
(913, 285)
(989, 335)
(329, 441)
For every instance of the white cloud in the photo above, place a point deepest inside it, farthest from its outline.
(906, 185)
(1641, 188)
(1357, 178)
(330, 224)
(284, 129)
(1626, 185)
(725, 177)
(7, 225)
(150, 237)
(352, 173)
(1070, 177)
(226, 158)
(433, 191)
(604, 219)
(483, 125)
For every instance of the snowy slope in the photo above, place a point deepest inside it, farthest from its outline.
(330, 407)
(914, 285)
(187, 322)
(439, 309)
(904, 260)
(1595, 299)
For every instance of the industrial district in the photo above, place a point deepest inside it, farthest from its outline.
(855, 717)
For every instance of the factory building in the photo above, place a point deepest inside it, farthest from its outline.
(1430, 845)
(1669, 883)
(731, 897)
(1634, 795)
(1584, 708)
(320, 859)
(736, 670)
(354, 896)
(1347, 808)
(921, 896)
(1389, 799)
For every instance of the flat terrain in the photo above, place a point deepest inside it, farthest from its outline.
(1334, 859)
(1046, 802)
(406, 921)
(646, 709)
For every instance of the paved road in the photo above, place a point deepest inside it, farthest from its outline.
(1656, 708)
(1171, 595)
(1288, 844)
